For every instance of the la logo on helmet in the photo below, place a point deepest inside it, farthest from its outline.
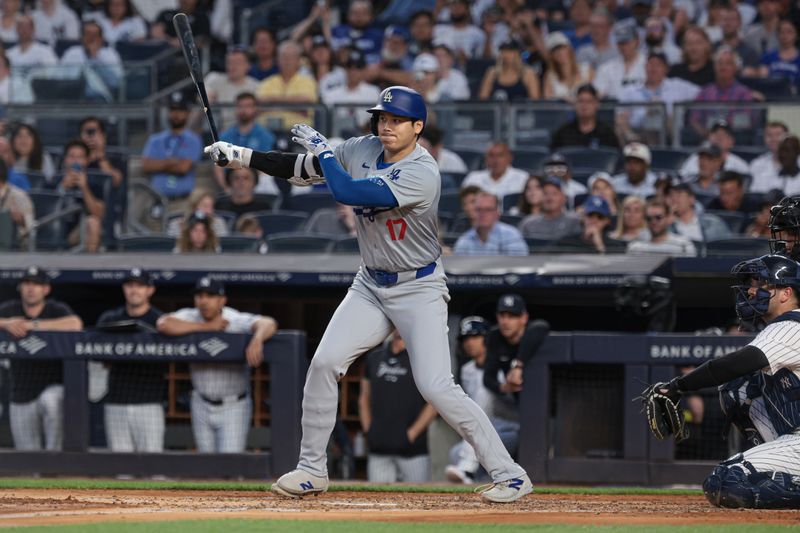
(387, 97)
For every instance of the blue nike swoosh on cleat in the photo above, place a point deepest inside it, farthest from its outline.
(516, 483)
(364, 165)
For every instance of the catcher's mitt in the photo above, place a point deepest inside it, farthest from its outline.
(662, 412)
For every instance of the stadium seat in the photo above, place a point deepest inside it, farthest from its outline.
(279, 221)
(743, 246)
(62, 45)
(452, 180)
(238, 243)
(512, 220)
(459, 224)
(44, 202)
(538, 245)
(55, 90)
(472, 158)
(299, 242)
(346, 245)
(228, 216)
(449, 238)
(578, 200)
(667, 159)
(510, 200)
(748, 153)
(474, 70)
(140, 50)
(598, 159)
(146, 243)
(37, 180)
(529, 159)
(734, 219)
(449, 202)
(771, 88)
(309, 202)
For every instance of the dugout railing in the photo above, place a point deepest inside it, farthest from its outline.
(284, 355)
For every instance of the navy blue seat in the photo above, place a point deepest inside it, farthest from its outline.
(146, 243)
(598, 159)
(529, 159)
(667, 159)
(298, 242)
(346, 245)
(238, 243)
(309, 202)
(743, 246)
(280, 221)
(449, 202)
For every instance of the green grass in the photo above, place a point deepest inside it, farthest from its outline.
(110, 484)
(310, 526)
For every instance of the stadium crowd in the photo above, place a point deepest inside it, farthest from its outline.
(575, 198)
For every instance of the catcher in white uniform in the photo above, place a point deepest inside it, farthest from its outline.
(759, 390)
(394, 186)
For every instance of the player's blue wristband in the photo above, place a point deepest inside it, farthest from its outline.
(367, 192)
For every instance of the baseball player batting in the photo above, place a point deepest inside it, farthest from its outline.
(759, 391)
(393, 185)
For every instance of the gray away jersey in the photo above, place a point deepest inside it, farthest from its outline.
(404, 237)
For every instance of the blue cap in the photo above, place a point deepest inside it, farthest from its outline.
(396, 31)
(552, 180)
(597, 204)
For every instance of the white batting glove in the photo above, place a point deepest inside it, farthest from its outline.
(310, 139)
(229, 155)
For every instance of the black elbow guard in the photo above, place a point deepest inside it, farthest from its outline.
(286, 165)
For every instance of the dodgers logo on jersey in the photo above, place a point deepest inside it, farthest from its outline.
(394, 175)
(387, 97)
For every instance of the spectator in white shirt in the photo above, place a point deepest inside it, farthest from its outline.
(662, 240)
(657, 37)
(28, 52)
(637, 179)
(499, 178)
(100, 64)
(613, 75)
(5, 78)
(764, 168)
(452, 84)
(119, 22)
(720, 135)
(460, 35)
(355, 91)
(426, 72)
(602, 49)
(55, 21)
(224, 87)
(432, 139)
(9, 11)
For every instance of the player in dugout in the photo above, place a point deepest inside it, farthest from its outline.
(394, 186)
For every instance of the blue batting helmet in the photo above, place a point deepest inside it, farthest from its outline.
(774, 270)
(401, 101)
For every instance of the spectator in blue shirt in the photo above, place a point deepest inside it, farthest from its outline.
(488, 235)
(169, 156)
(784, 61)
(251, 135)
(360, 31)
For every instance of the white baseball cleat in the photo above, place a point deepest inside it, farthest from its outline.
(299, 483)
(507, 491)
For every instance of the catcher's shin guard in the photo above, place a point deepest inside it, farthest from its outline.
(735, 484)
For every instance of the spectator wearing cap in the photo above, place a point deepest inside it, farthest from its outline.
(687, 221)
(395, 54)
(763, 35)
(459, 34)
(241, 182)
(432, 139)
(509, 78)
(585, 130)
(556, 165)
(488, 235)
(36, 408)
(221, 404)
(426, 77)
(553, 222)
(134, 414)
(169, 156)
(420, 27)
(224, 88)
(764, 168)
(564, 74)
(355, 91)
(602, 49)
(637, 178)
(263, 46)
(657, 38)
(360, 31)
(595, 225)
(452, 84)
(98, 63)
(723, 90)
(648, 122)
(730, 22)
(499, 178)
(580, 13)
(705, 182)
(246, 132)
(722, 137)
(783, 61)
(628, 69)
(696, 66)
(662, 241)
(731, 197)
(288, 86)
(602, 184)
(17, 204)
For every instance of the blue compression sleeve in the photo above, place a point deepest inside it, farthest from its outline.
(367, 192)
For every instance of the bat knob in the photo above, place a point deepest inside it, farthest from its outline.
(222, 161)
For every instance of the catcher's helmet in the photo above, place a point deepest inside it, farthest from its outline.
(785, 218)
(472, 326)
(401, 101)
(772, 269)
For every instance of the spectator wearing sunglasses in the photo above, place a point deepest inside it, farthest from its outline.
(658, 216)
